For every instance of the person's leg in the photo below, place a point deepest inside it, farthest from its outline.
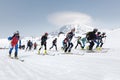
(91, 45)
(40, 48)
(52, 46)
(16, 51)
(83, 45)
(101, 44)
(71, 45)
(56, 47)
(67, 47)
(10, 51)
(45, 50)
(76, 45)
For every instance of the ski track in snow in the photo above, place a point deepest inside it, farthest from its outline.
(91, 66)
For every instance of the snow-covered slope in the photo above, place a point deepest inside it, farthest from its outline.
(4, 43)
(90, 66)
(113, 41)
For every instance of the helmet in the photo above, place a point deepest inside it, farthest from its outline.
(16, 33)
(46, 33)
(55, 38)
(95, 30)
(98, 32)
(73, 30)
(103, 33)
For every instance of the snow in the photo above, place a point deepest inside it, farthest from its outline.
(90, 66)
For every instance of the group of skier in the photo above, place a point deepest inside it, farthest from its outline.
(31, 45)
(95, 37)
(91, 37)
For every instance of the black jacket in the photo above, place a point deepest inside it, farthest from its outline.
(43, 38)
(91, 36)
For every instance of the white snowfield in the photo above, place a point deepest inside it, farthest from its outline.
(90, 66)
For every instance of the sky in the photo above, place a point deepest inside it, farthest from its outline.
(35, 17)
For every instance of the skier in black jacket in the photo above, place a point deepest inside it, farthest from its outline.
(103, 35)
(54, 44)
(43, 42)
(91, 37)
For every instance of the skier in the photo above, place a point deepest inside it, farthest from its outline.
(83, 40)
(103, 35)
(35, 46)
(14, 44)
(43, 42)
(78, 42)
(65, 43)
(91, 37)
(29, 45)
(97, 41)
(54, 44)
(70, 44)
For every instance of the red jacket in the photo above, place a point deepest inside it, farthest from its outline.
(14, 41)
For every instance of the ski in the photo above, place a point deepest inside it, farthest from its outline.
(102, 50)
(22, 60)
(72, 53)
(46, 54)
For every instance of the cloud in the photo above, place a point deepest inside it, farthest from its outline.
(64, 18)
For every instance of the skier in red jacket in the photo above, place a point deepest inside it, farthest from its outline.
(14, 44)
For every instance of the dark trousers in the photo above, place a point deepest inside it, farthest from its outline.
(53, 46)
(42, 45)
(91, 45)
(77, 45)
(69, 47)
(101, 44)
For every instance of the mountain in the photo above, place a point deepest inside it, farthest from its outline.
(79, 29)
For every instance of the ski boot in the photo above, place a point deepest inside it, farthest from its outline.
(38, 52)
(45, 52)
(98, 48)
(16, 55)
